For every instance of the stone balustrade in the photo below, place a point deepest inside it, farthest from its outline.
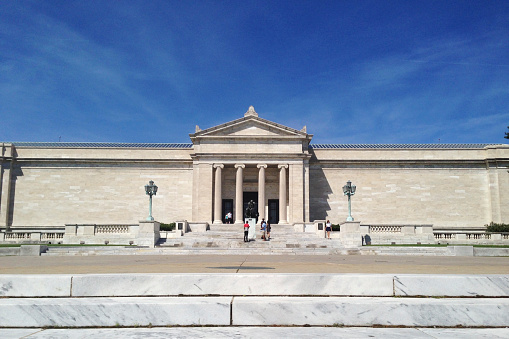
(20, 236)
(475, 238)
(380, 234)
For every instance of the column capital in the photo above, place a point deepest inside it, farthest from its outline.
(261, 165)
(282, 166)
(218, 166)
(240, 166)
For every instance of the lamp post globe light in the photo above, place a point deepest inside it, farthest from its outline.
(151, 190)
(349, 190)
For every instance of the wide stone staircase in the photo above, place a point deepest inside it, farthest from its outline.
(229, 239)
(222, 239)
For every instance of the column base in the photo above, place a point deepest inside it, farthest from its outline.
(217, 222)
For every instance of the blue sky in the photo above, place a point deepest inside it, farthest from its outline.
(351, 71)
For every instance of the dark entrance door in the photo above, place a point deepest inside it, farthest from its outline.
(227, 208)
(248, 196)
(273, 211)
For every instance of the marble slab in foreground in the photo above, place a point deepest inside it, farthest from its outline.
(234, 332)
(232, 284)
(451, 285)
(27, 285)
(358, 311)
(98, 312)
(16, 333)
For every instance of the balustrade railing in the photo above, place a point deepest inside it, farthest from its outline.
(478, 236)
(385, 229)
(107, 229)
(17, 236)
(447, 236)
(52, 236)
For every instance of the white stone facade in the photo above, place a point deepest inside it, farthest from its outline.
(448, 186)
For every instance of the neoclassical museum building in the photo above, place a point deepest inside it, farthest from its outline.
(290, 179)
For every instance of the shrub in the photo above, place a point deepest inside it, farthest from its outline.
(167, 227)
(497, 228)
(336, 227)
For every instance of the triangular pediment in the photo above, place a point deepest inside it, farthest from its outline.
(249, 126)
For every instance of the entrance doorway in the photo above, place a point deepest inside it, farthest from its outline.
(227, 208)
(248, 196)
(273, 211)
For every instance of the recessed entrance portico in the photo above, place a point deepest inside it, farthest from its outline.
(240, 183)
(251, 155)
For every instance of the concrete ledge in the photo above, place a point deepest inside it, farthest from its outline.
(32, 250)
(359, 311)
(253, 311)
(84, 312)
(8, 251)
(26, 285)
(452, 285)
(253, 284)
(232, 284)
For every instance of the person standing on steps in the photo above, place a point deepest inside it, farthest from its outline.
(264, 229)
(268, 230)
(246, 232)
(328, 228)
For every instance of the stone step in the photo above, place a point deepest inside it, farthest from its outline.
(245, 299)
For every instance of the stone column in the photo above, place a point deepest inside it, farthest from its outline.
(261, 191)
(282, 194)
(239, 201)
(218, 196)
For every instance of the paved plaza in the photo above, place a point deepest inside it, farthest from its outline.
(254, 264)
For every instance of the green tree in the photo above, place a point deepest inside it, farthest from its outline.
(507, 134)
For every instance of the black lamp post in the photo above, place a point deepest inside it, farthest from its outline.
(151, 190)
(349, 190)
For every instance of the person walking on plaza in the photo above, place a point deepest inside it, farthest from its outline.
(246, 232)
(268, 230)
(328, 228)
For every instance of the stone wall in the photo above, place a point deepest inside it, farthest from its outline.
(54, 187)
(448, 189)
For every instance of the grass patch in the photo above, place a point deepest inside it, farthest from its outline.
(439, 245)
(410, 245)
(61, 245)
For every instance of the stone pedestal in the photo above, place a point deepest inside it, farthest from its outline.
(350, 234)
(252, 228)
(148, 233)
